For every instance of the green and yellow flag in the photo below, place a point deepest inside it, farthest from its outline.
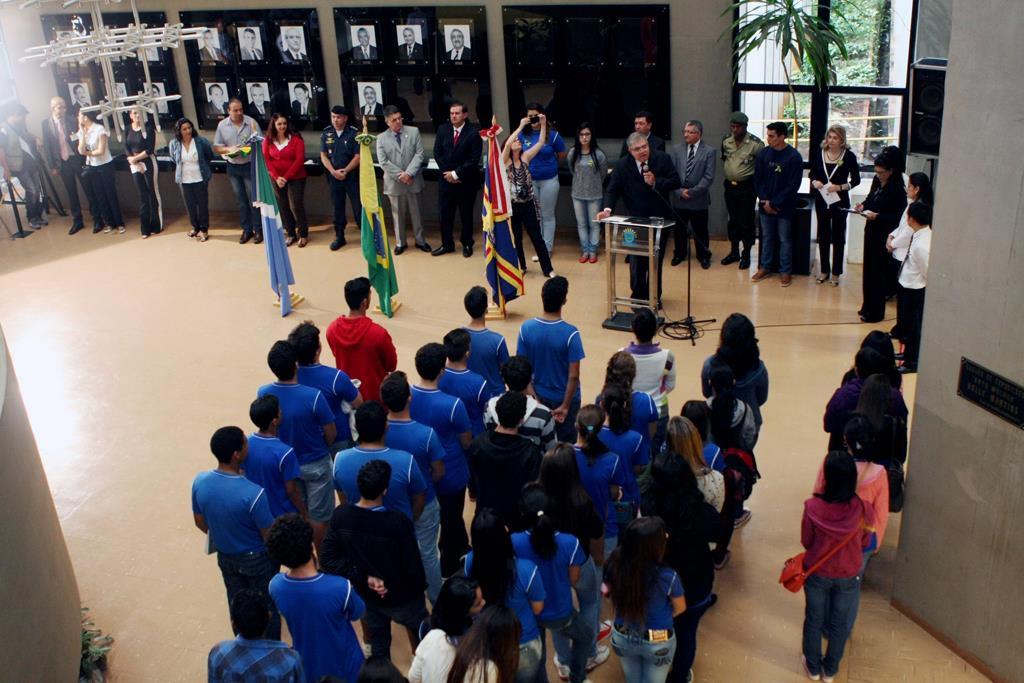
(376, 247)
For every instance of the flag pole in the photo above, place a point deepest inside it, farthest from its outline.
(395, 302)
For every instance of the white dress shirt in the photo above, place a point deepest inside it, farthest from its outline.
(901, 238)
(914, 272)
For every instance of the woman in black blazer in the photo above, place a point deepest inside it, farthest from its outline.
(882, 210)
(836, 170)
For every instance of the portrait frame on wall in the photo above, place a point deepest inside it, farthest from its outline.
(455, 40)
(364, 43)
(211, 47)
(370, 106)
(292, 44)
(215, 105)
(252, 47)
(253, 90)
(79, 95)
(415, 52)
(297, 90)
(159, 89)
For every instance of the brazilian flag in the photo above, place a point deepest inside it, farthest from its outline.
(376, 246)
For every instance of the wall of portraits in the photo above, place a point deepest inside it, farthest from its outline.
(594, 63)
(417, 59)
(269, 59)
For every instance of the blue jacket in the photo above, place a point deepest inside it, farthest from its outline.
(206, 155)
(777, 176)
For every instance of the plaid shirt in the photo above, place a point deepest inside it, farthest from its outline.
(254, 661)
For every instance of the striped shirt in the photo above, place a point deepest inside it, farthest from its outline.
(538, 426)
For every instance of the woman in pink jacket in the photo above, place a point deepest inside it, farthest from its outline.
(285, 152)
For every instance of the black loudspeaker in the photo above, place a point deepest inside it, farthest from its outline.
(927, 99)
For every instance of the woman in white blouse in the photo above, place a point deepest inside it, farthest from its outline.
(93, 145)
(192, 155)
(919, 189)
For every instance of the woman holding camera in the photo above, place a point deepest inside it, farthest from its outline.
(526, 211)
(543, 167)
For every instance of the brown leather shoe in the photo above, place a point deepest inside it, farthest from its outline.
(761, 274)
(787, 279)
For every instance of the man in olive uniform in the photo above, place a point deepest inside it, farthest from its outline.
(739, 149)
(339, 153)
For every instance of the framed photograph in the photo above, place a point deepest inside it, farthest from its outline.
(216, 99)
(160, 90)
(409, 39)
(80, 96)
(250, 43)
(257, 95)
(303, 104)
(291, 44)
(153, 54)
(371, 98)
(364, 43)
(211, 49)
(458, 42)
(121, 90)
(413, 97)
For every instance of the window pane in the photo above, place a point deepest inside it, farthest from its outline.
(871, 122)
(766, 107)
(763, 65)
(877, 36)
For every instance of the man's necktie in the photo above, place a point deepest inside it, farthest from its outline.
(691, 159)
(409, 50)
(456, 139)
(398, 139)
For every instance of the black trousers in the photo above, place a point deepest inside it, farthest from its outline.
(831, 237)
(876, 270)
(197, 201)
(698, 220)
(70, 173)
(525, 215)
(455, 198)
(339, 190)
(149, 209)
(639, 270)
(909, 318)
(104, 184)
(454, 543)
(740, 202)
(292, 200)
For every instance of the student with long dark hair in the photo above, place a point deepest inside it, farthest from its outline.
(834, 517)
(875, 404)
(616, 434)
(647, 595)
(692, 524)
(459, 601)
(588, 166)
(732, 420)
(573, 512)
(601, 471)
(643, 411)
(489, 651)
(881, 342)
(844, 401)
(506, 580)
(699, 414)
(655, 369)
(737, 348)
(559, 557)
(882, 209)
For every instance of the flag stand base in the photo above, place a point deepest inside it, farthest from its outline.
(296, 299)
(495, 313)
(395, 305)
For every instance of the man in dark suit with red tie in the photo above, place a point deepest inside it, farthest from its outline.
(457, 151)
(63, 159)
(643, 180)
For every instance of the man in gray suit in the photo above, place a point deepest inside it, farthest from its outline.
(695, 163)
(400, 153)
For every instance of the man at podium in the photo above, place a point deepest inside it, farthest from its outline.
(643, 180)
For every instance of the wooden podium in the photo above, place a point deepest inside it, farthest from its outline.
(638, 238)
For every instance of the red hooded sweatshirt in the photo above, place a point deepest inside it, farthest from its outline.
(827, 524)
(364, 350)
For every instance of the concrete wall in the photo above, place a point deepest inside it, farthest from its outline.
(961, 551)
(701, 79)
(40, 624)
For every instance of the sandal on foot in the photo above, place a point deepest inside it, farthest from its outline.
(303, 242)
(203, 236)
(192, 233)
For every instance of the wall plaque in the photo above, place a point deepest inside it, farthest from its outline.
(992, 392)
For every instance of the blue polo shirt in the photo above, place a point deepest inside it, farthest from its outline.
(271, 463)
(659, 603)
(545, 164)
(645, 412)
(551, 346)
(422, 443)
(554, 571)
(336, 387)
(447, 416)
(597, 479)
(406, 480)
(629, 446)
(319, 611)
(527, 587)
(235, 509)
(487, 353)
(713, 457)
(472, 389)
(304, 412)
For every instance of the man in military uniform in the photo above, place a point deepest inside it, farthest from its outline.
(339, 153)
(739, 149)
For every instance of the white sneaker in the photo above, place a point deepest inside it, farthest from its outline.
(563, 670)
(552, 274)
(535, 259)
(603, 652)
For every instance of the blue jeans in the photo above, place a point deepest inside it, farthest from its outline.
(428, 526)
(776, 234)
(588, 595)
(686, 639)
(579, 633)
(240, 176)
(831, 609)
(589, 229)
(643, 661)
(531, 661)
(566, 429)
(253, 571)
(547, 195)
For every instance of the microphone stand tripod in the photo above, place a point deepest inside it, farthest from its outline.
(688, 328)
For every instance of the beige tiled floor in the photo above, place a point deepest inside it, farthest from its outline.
(130, 352)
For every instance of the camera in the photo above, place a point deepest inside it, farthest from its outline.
(535, 119)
